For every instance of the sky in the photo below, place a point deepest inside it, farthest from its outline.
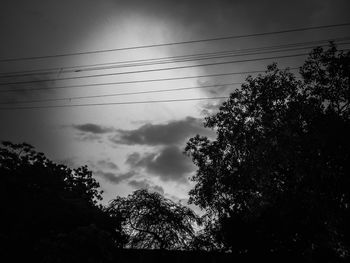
(133, 146)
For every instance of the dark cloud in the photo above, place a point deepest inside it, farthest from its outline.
(170, 164)
(93, 128)
(146, 184)
(113, 178)
(174, 132)
(89, 137)
(107, 164)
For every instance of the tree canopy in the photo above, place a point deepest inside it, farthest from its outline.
(276, 178)
(154, 222)
(46, 206)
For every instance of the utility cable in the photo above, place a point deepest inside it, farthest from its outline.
(159, 69)
(301, 29)
(110, 103)
(120, 94)
(176, 59)
(137, 81)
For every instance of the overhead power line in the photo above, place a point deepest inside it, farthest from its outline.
(138, 81)
(203, 56)
(176, 59)
(179, 42)
(110, 103)
(119, 94)
(157, 70)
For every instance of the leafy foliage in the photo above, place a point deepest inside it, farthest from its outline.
(154, 222)
(276, 178)
(44, 202)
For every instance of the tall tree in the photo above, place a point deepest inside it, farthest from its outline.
(276, 178)
(154, 222)
(47, 207)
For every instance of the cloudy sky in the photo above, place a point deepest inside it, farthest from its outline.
(132, 146)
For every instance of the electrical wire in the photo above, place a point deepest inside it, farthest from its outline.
(179, 42)
(120, 94)
(111, 103)
(176, 59)
(159, 69)
(137, 81)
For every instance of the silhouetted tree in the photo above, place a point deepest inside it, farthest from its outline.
(46, 206)
(276, 178)
(154, 222)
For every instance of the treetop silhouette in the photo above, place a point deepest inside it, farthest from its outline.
(276, 178)
(154, 222)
